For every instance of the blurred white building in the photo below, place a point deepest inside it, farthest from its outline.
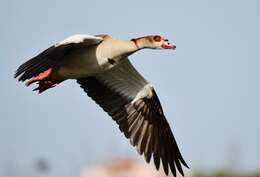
(122, 168)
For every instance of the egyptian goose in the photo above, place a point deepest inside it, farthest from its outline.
(101, 66)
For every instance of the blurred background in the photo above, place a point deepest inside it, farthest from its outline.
(209, 87)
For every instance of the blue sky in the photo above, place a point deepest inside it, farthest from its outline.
(209, 87)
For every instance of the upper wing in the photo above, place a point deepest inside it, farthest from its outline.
(54, 55)
(132, 102)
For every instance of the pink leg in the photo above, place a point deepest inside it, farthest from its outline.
(44, 85)
(40, 77)
(44, 81)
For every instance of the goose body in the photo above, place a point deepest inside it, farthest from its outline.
(101, 66)
(93, 59)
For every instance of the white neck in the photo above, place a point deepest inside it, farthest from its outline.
(119, 48)
(115, 48)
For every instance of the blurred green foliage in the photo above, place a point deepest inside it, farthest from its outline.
(225, 174)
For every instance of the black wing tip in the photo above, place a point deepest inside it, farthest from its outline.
(173, 171)
(180, 170)
(184, 163)
(166, 170)
(21, 69)
(19, 77)
(17, 73)
(16, 76)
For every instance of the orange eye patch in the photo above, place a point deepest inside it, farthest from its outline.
(157, 38)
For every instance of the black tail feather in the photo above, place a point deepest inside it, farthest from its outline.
(37, 65)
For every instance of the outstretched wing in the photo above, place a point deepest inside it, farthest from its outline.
(132, 102)
(54, 55)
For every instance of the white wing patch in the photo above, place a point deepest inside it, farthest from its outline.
(80, 38)
(145, 92)
(124, 79)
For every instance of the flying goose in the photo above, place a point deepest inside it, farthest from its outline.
(101, 67)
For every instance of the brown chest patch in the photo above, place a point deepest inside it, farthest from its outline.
(111, 61)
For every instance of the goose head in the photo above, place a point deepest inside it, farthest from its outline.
(153, 42)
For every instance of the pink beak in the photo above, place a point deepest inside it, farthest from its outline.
(168, 46)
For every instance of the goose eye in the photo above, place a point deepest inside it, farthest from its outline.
(157, 38)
